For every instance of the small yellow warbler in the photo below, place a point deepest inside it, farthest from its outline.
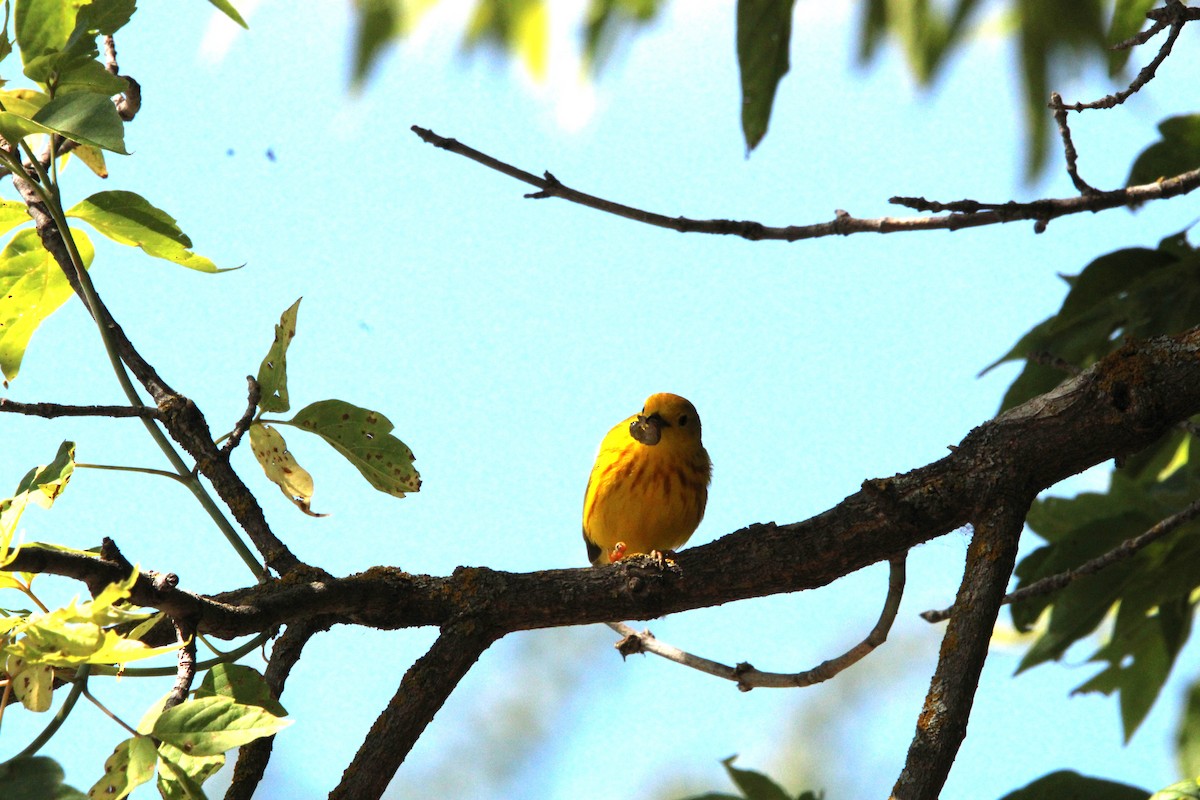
(648, 488)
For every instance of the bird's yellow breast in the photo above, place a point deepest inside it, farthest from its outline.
(648, 497)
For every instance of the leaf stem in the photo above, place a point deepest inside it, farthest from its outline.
(146, 470)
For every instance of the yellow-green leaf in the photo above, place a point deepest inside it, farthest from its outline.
(364, 438)
(12, 214)
(272, 373)
(32, 287)
(280, 466)
(130, 765)
(31, 682)
(127, 218)
(93, 157)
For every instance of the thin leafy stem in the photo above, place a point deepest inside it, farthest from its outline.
(4, 697)
(146, 470)
(78, 687)
(28, 591)
(83, 688)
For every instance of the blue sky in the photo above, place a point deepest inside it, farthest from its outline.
(504, 336)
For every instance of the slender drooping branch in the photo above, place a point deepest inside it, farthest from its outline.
(420, 695)
(942, 724)
(746, 676)
(962, 213)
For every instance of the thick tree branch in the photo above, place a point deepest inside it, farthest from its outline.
(942, 724)
(1114, 408)
(745, 675)
(962, 213)
(422, 691)
(252, 758)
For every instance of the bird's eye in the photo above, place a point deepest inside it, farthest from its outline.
(683, 420)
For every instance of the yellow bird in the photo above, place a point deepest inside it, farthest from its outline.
(649, 485)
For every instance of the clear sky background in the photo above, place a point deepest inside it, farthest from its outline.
(504, 336)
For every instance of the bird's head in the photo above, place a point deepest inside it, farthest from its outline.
(668, 418)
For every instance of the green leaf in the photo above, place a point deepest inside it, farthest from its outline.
(12, 214)
(226, 8)
(35, 778)
(1134, 292)
(753, 785)
(272, 373)
(212, 726)
(379, 22)
(86, 118)
(764, 34)
(281, 467)
(1051, 32)
(44, 484)
(1184, 790)
(130, 765)
(183, 778)
(241, 684)
(103, 18)
(1187, 738)
(364, 438)
(32, 287)
(1067, 784)
(127, 218)
(1178, 151)
(607, 21)
(1140, 654)
(42, 27)
(174, 782)
(1129, 17)
(89, 76)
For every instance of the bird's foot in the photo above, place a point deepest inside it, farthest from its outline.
(617, 552)
(662, 558)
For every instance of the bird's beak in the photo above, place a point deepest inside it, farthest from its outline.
(647, 430)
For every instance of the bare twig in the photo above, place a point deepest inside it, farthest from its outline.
(1174, 14)
(1126, 549)
(52, 410)
(254, 393)
(1047, 359)
(422, 692)
(963, 213)
(1064, 130)
(746, 676)
(110, 55)
(186, 670)
(942, 724)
